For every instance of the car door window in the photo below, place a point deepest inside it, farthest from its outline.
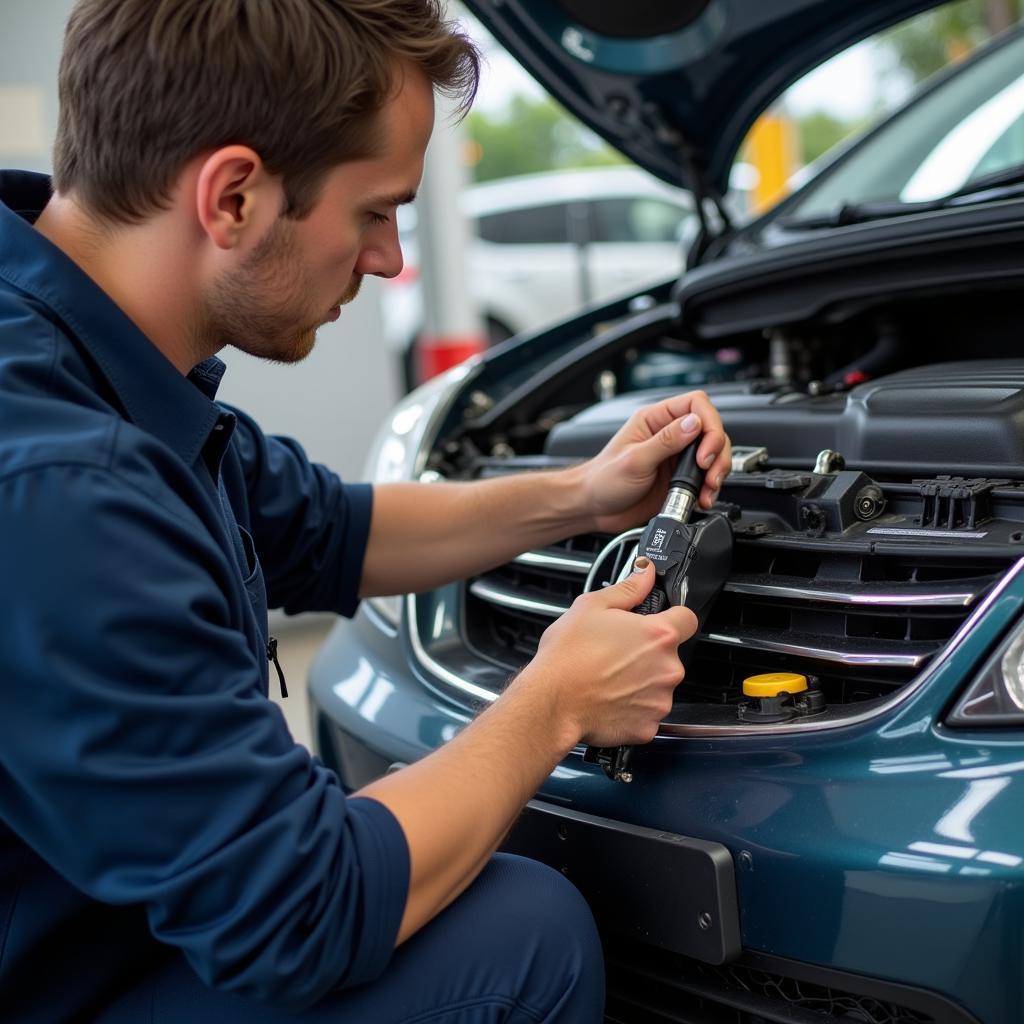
(529, 225)
(636, 219)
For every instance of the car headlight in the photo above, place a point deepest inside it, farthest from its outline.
(402, 445)
(996, 697)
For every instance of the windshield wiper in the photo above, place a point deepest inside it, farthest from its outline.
(1004, 184)
(854, 213)
(995, 180)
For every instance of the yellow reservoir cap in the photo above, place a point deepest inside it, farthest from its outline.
(771, 684)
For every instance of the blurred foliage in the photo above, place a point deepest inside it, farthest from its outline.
(930, 41)
(818, 132)
(533, 135)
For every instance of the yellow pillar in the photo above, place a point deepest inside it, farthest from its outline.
(771, 149)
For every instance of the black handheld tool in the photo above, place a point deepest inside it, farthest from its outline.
(691, 564)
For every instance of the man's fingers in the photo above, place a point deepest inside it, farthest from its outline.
(660, 415)
(628, 593)
(682, 620)
(677, 421)
(648, 455)
(720, 464)
(713, 455)
(714, 440)
(712, 444)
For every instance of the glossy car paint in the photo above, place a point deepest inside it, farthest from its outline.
(892, 847)
(858, 848)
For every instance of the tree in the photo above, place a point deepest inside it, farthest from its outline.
(818, 132)
(931, 41)
(532, 135)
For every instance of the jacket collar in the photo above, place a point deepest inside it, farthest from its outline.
(178, 410)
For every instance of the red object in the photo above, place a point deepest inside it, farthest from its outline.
(855, 377)
(435, 354)
(407, 275)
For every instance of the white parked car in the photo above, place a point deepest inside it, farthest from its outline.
(548, 244)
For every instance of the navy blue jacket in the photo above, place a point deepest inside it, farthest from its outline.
(152, 802)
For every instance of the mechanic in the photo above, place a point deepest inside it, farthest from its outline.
(226, 173)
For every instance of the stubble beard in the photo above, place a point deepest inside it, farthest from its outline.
(352, 290)
(237, 311)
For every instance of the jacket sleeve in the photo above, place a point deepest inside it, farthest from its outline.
(309, 528)
(138, 757)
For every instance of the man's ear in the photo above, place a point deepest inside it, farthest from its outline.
(235, 196)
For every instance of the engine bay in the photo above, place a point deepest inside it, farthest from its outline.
(876, 499)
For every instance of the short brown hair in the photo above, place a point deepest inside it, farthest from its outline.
(147, 85)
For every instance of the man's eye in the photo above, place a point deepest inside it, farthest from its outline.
(379, 218)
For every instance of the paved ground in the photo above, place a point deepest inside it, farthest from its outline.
(298, 640)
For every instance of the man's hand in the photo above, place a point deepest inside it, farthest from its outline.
(602, 674)
(425, 535)
(625, 484)
(610, 671)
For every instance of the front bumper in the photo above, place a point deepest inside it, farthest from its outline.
(891, 852)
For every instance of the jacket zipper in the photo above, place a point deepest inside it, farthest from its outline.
(272, 657)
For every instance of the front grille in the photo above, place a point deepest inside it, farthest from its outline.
(863, 624)
(651, 986)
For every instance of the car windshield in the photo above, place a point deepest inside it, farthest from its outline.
(967, 129)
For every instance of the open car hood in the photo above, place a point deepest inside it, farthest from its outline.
(676, 84)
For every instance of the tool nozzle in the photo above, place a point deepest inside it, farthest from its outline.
(687, 480)
(687, 473)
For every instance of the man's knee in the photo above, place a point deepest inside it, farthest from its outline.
(519, 946)
(541, 899)
(546, 923)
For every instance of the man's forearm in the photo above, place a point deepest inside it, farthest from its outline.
(425, 535)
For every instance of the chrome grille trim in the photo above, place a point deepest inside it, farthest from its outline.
(950, 596)
(547, 560)
(672, 729)
(437, 669)
(787, 588)
(900, 697)
(505, 597)
(751, 641)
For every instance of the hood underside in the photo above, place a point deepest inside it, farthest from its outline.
(675, 86)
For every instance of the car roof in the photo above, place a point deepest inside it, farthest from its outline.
(527, 190)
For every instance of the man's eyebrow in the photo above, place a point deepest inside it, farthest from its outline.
(399, 199)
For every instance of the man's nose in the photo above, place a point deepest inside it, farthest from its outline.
(383, 258)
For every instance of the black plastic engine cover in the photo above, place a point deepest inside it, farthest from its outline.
(948, 418)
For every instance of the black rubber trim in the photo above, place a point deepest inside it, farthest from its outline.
(944, 1010)
(646, 983)
(616, 865)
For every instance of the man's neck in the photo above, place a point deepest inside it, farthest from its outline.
(137, 267)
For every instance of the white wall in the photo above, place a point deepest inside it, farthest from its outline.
(334, 400)
(31, 32)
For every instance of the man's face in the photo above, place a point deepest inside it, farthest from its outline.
(301, 272)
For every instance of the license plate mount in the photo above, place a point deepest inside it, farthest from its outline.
(668, 890)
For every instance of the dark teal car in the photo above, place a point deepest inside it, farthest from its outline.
(849, 852)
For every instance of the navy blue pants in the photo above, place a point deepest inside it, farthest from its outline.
(518, 947)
